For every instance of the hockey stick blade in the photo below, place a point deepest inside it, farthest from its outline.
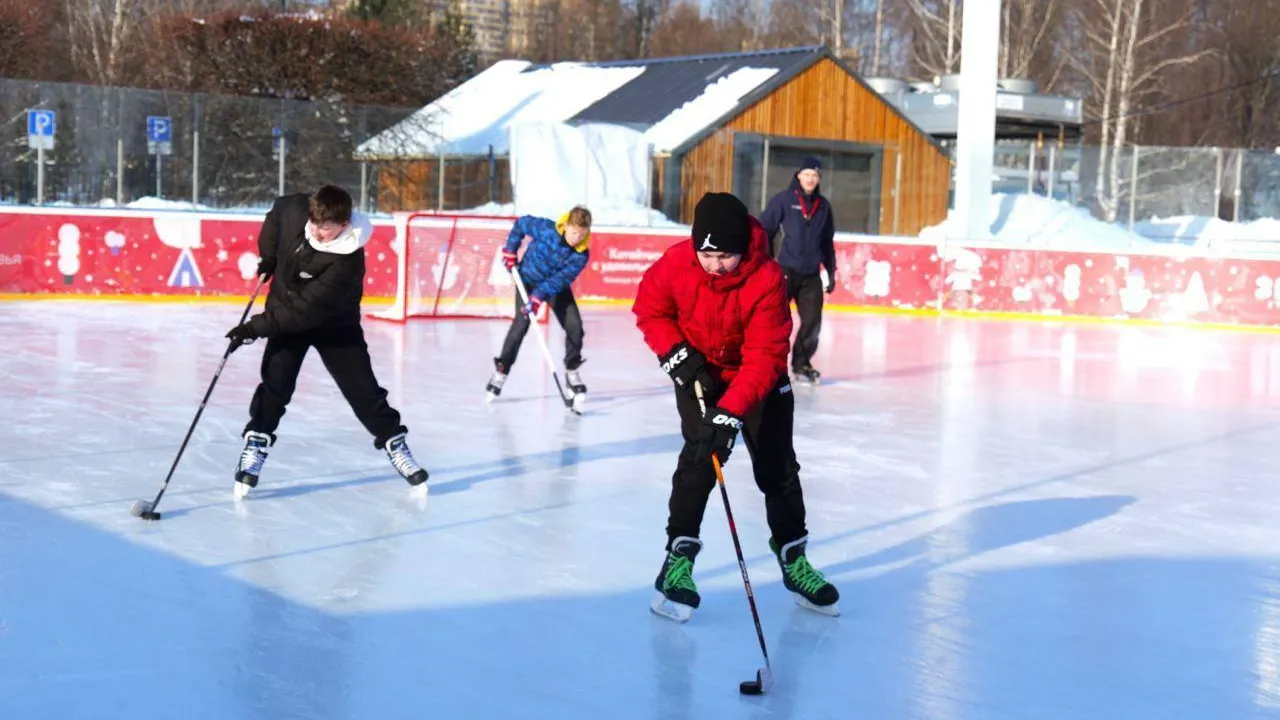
(761, 685)
(143, 509)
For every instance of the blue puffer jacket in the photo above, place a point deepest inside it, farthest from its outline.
(549, 265)
(808, 229)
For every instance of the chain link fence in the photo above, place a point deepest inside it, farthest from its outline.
(222, 152)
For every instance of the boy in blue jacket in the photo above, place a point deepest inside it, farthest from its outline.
(556, 255)
(808, 239)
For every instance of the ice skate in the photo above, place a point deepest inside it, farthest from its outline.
(807, 373)
(574, 380)
(402, 460)
(811, 589)
(496, 381)
(251, 460)
(677, 596)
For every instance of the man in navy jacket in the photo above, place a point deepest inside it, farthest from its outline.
(808, 233)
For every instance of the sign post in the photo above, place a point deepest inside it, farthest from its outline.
(159, 141)
(41, 126)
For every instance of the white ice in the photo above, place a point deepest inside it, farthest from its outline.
(1025, 520)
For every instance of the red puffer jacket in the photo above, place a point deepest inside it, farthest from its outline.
(740, 321)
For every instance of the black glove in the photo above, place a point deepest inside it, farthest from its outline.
(831, 282)
(266, 267)
(716, 435)
(684, 365)
(241, 335)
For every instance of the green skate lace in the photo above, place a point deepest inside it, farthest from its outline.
(680, 574)
(806, 576)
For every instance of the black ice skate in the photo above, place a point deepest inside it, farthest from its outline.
(251, 460)
(402, 460)
(574, 380)
(677, 596)
(807, 373)
(812, 590)
(494, 388)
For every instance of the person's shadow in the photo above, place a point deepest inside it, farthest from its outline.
(887, 607)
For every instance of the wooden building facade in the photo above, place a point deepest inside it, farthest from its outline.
(882, 174)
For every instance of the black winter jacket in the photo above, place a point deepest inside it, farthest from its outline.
(312, 288)
(806, 241)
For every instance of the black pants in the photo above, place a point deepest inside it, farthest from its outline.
(767, 434)
(346, 356)
(806, 291)
(565, 308)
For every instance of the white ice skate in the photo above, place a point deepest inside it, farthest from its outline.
(574, 380)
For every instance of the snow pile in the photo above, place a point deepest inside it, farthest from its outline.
(1199, 230)
(1040, 221)
(717, 99)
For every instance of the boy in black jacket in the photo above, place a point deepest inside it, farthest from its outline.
(808, 238)
(314, 248)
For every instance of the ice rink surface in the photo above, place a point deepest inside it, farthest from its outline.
(1025, 520)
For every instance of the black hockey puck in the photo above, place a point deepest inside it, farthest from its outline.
(750, 687)
(150, 515)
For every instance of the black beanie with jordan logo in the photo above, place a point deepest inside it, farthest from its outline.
(721, 223)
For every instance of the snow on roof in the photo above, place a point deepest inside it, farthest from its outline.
(477, 114)
(719, 98)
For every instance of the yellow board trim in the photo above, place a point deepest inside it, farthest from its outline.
(1007, 316)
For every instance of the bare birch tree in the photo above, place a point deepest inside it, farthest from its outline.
(100, 35)
(1118, 59)
(1027, 31)
(934, 27)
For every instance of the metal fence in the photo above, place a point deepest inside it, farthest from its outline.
(120, 146)
(1135, 185)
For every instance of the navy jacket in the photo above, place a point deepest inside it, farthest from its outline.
(808, 230)
(549, 265)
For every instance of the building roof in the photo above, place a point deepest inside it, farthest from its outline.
(668, 83)
(674, 102)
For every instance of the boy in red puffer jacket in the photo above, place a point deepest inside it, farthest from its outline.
(714, 310)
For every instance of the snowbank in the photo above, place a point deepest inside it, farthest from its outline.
(1199, 230)
(1044, 222)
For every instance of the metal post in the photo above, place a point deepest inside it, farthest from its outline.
(283, 148)
(1133, 192)
(119, 146)
(119, 171)
(40, 173)
(1053, 169)
(1217, 183)
(1235, 212)
(897, 189)
(1031, 168)
(648, 187)
(158, 192)
(364, 186)
(764, 177)
(440, 182)
(195, 168)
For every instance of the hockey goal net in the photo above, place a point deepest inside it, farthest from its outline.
(450, 266)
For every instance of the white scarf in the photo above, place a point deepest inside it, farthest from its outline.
(352, 237)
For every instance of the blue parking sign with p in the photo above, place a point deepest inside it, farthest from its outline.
(159, 129)
(159, 135)
(41, 126)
